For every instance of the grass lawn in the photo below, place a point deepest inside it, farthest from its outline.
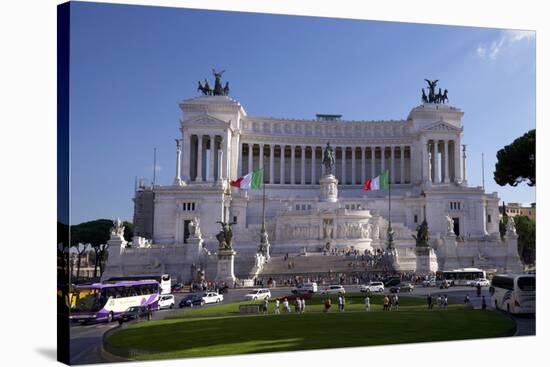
(219, 330)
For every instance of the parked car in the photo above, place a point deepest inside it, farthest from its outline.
(482, 282)
(334, 289)
(305, 288)
(212, 297)
(135, 313)
(372, 287)
(166, 301)
(191, 300)
(257, 294)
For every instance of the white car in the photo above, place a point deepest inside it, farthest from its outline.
(212, 297)
(482, 282)
(257, 294)
(333, 289)
(372, 287)
(166, 301)
(305, 288)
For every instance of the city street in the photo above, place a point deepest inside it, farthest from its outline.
(86, 339)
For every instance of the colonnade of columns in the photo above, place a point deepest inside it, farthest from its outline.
(301, 164)
(202, 161)
(441, 161)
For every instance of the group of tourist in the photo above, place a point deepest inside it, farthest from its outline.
(441, 301)
(390, 302)
(299, 305)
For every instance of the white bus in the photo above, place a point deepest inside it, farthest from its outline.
(465, 276)
(514, 293)
(164, 280)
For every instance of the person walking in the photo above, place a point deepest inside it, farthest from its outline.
(386, 303)
(340, 304)
(277, 304)
(297, 305)
(266, 305)
(430, 305)
(478, 289)
(396, 302)
(445, 301)
(439, 301)
(328, 304)
(303, 306)
(343, 302)
(367, 303)
(483, 303)
(286, 308)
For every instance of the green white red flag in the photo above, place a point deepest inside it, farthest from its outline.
(252, 180)
(380, 182)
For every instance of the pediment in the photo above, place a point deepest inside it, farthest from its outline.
(441, 126)
(205, 119)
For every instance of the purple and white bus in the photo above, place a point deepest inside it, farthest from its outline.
(106, 302)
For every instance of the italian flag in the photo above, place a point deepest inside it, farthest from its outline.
(253, 180)
(377, 183)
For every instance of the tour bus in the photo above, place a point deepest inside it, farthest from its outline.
(107, 301)
(164, 280)
(514, 293)
(464, 276)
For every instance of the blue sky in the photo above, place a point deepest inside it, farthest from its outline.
(132, 65)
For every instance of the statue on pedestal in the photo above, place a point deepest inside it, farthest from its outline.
(510, 227)
(450, 224)
(194, 228)
(423, 235)
(329, 158)
(225, 236)
(118, 228)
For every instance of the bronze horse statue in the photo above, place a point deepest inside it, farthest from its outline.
(205, 89)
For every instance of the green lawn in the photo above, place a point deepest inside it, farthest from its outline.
(219, 330)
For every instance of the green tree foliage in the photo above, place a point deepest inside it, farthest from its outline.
(516, 162)
(526, 230)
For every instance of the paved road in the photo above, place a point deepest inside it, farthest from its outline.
(86, 339)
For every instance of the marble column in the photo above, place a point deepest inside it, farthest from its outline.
(363, 159)
(382, 159)
(392, 164)
(250, 157)
(446, 155)
(261, 156)
(464, 178)
(402, 164)
(372, 161)
(292, 164)
(199, 158)
(313, 168)
(437, 164)
(426, 172)
(303, 165)
(186, 166)
(271, 163)
(240, 161)
(210, 173)
(282, 166)
(343, 178)
(457, 170)
(353, 182)
(177, 180)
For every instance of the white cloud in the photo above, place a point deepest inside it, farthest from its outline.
(506, 39)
